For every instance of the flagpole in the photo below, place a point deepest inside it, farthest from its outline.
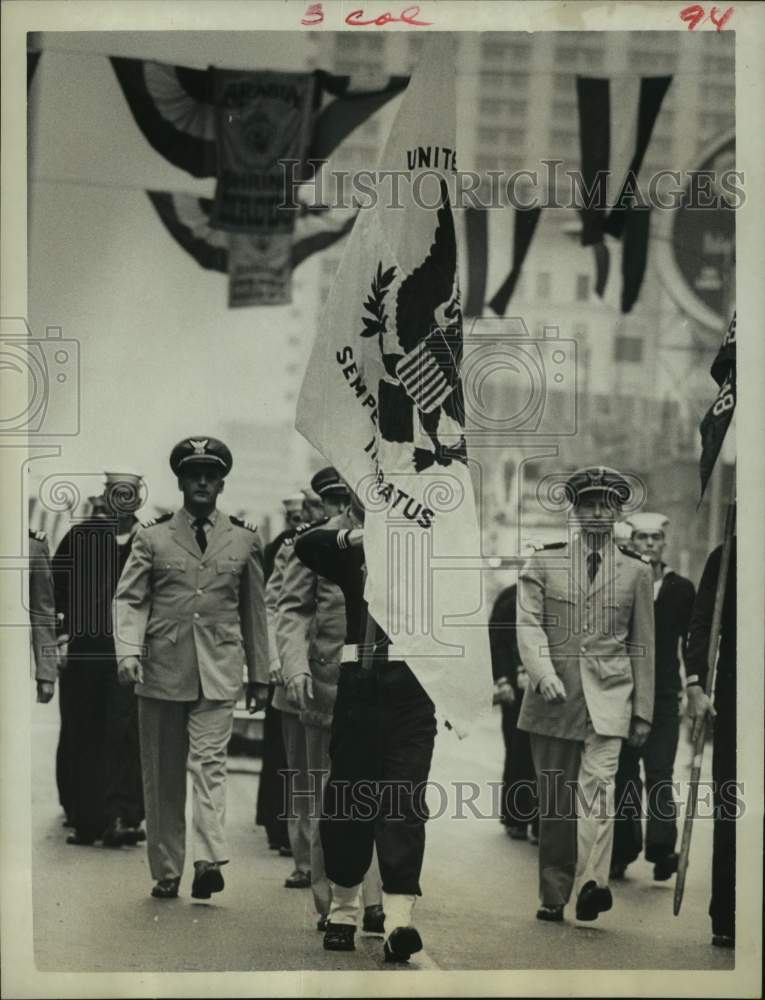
(700, 738)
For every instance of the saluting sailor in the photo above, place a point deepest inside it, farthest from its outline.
(189, 618)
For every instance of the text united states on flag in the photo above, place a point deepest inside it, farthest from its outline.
(382, 400)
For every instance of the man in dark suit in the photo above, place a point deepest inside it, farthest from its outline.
(673, 604)
(722, 907)
(585, 634)
(98, 757)
(518, 807)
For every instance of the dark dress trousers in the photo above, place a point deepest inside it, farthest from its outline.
(722, 908)
(381, 744)
(672, 616)
(519, 800)
(98, 759)
(272, 796)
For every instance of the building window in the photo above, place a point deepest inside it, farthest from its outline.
(582, 287)
(544, 285)
(629, 349)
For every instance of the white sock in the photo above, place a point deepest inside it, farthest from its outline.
(398, 911)
(346, 904)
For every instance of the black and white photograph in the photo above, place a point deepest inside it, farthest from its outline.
(382, 552)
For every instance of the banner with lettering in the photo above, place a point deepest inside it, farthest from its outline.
(262, 118)
(382, 400)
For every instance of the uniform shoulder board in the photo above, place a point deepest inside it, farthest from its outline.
(156, 520)
(302, 528)
(39, 536)
(243, 524)
(626, 551)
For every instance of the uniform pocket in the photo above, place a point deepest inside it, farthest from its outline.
(614, 670)
(228, 632)
(229, 565)
(162, 629)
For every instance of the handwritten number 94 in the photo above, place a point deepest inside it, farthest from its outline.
(695, 14)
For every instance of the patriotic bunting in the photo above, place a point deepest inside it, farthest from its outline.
(188, 220)
(616, 121)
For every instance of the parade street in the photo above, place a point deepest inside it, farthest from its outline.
(93, 911)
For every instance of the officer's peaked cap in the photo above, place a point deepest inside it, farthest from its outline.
(327, 482)
(201, 448)
(598, 481)
(645, 521)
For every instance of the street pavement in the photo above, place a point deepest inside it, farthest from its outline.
(93, 912)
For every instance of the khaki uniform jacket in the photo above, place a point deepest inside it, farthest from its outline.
(310, 630)
(196, 619)
(273, 589)
(42, 609)
(598, 638)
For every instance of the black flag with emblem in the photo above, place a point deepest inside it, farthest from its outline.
(717, 419)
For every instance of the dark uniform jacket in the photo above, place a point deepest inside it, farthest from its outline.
(672, 613)
(197, 617)
(701, 622)
(86, 568)
(598, 637)
(503, 638)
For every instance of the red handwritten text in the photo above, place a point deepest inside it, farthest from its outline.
(314, 15)
(696, 15)
(407, 16)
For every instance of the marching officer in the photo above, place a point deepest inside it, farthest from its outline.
(673, 605)
(42, 616)
(189, 617)
(585, 634)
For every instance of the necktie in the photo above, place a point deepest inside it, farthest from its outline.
(593, 561)
(199, 533)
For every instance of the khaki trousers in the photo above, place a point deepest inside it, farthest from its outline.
(177, 736)
(575, 781)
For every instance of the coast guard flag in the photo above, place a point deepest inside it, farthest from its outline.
(382, 400)
(717, 419)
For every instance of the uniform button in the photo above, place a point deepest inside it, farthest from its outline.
(196, 614)
(582, 650)
(199, 590)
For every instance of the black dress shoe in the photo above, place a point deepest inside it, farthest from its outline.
(665, 868)
(166, 888)
(339, 937)
(516, 832)
(208, 878)
(374, 919)
(323, 922)
(593, 900)
(402, 943)
(81, 839)
(298, 880)
(118, 835)
(550, 913)
(723, 941)
(285, 852)
(618, 870)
